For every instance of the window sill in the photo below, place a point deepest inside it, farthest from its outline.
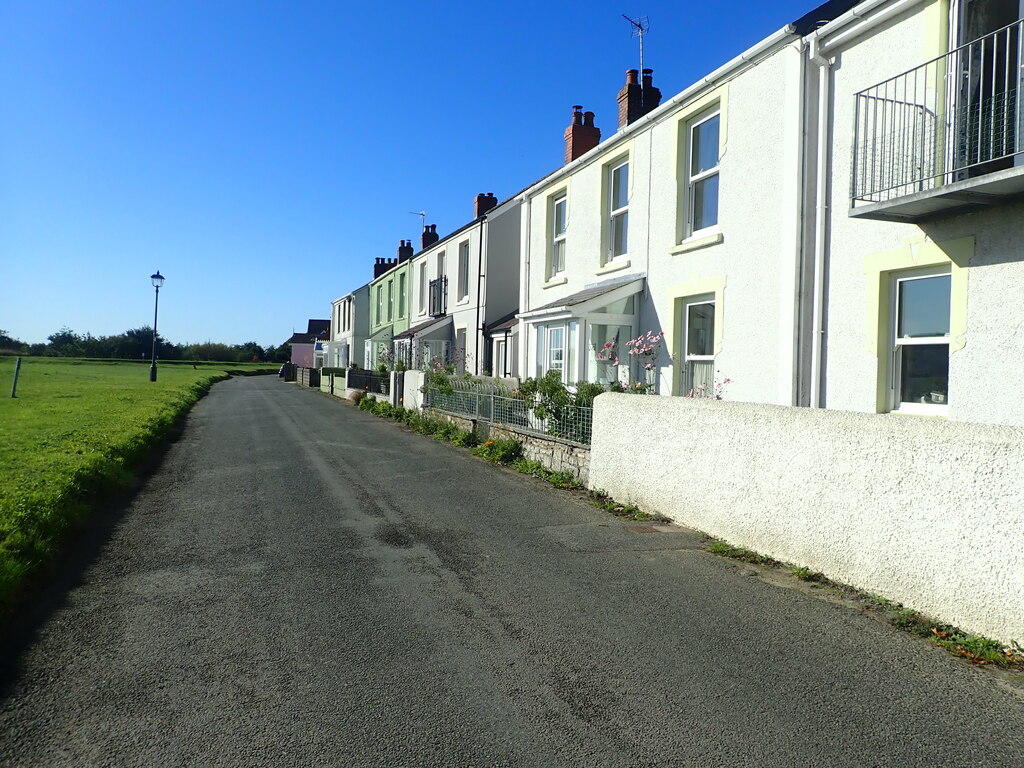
(555, 281)
(613, 266)
(695, 243)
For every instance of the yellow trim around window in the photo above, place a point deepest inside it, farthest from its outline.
(718, 98)
(914, 254)
(681, 293)
(623, 154)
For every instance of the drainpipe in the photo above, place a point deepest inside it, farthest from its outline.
(820, 216)
(479, 296)
(524, 289)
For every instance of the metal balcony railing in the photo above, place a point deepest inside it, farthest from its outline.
(956, 117)
(438, 296)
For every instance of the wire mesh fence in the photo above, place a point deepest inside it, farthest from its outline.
(498, 405)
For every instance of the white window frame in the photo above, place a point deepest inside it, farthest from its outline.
(380, 304)
(423, 287)
(693, 179)
(440, 264)
(463, 287)
(615, 214)
(896, 357)
(391, 300)
(556, 266)
(402, 295)
(687, 377)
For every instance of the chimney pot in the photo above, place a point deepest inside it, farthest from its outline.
(582, 135)
(429, 236)
(483, 203)
(631, 77)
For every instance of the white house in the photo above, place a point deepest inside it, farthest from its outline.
(921, 258)
(350, 322)
(464, 290)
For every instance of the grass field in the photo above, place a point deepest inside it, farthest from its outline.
(78, 429)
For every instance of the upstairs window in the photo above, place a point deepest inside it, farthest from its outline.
(559, 209)
(401, 295)
(702, 174)
(463, 287)
(423, 287)
(391, 299)
(618, 211)
(380, 304)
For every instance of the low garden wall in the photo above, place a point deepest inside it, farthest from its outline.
(554, 453)
(923, 511)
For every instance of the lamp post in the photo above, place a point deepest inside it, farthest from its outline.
(158, 280)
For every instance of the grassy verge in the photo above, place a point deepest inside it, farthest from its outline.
(76, 430)
(975, 648)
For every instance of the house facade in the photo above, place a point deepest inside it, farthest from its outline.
(388, 306)
(350, 319)
(307, 347)
(924, 164)
(463, 287)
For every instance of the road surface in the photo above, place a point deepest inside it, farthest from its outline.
(302, 584)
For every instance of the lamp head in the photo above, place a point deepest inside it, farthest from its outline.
(158, 279)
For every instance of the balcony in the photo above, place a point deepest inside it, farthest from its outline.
(438, 291)
(945, 137)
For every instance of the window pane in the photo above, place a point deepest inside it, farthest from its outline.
(705, 203)
(558, 257)
(560, 217)
(620, 187)
(924, 373)
(700, 378)
(924, 307)
(700, 329)
(704, 154)
(556, 346)
(620, 225)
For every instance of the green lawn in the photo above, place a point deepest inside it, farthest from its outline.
(77, 429)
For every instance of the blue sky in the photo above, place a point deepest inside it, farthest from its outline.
(262, 154)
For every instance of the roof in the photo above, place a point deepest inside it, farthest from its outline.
(590, 293)
(422, 328)
(318, 327)
(503, 323)
(824, 13)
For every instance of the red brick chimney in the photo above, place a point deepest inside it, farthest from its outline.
(582, 135)
(630, 99)
(483, 203)
(429, 236)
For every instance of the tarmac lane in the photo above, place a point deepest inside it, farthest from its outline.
(300, 583)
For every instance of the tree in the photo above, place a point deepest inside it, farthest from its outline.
(10, 344)
(65, 343)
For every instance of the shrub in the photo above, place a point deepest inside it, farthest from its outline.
(356, 396)
(501, 451)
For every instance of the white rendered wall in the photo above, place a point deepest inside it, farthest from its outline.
(758, 252)
(923, 511)
(986, 374)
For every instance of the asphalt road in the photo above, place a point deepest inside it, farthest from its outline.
(302, 584)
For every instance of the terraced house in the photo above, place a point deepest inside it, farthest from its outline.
(388, 306)
(465, 287)
(829, 219)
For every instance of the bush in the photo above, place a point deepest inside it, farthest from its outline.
(501, 451)
(356, 397)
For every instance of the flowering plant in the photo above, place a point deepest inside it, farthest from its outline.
(645, 348)
(712, 391)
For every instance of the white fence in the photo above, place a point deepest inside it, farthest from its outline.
(923, 511)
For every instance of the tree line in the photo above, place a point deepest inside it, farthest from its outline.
(137, 344)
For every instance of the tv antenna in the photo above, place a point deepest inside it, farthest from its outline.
(422, 215)
(639, 25)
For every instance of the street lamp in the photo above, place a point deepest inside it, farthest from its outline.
(158, 281)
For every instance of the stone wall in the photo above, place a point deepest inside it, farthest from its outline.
(554, 453)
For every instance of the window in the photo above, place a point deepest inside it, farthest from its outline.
(699, 348)
(556, 349)
(463, 271)
(618, 211)
(460, 351)
(391, 299)
(498, 365)
(607, 351)
(702, 173)
(401, 295)
(559, 209)
(440, 264)
(920, 367)
(380, 303)
(423, 287)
